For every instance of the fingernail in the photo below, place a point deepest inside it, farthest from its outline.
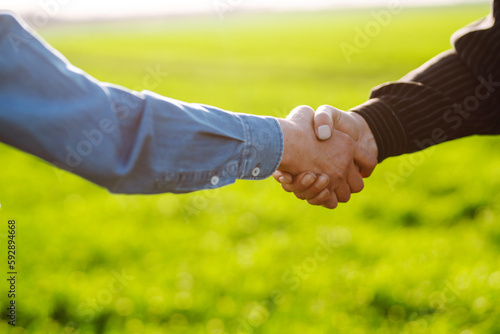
(324, 132)
(323, 181)
(307, 180)
(323, 195)
(284, 180)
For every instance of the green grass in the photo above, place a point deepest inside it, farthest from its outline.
(419, 256)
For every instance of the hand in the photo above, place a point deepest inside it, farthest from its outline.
(328, 118)
(330, 162)
(307, 185)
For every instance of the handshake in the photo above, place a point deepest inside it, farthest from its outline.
(327, 154)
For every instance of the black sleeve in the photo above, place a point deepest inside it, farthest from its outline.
(455, 94)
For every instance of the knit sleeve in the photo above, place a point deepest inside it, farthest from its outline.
(455, 94)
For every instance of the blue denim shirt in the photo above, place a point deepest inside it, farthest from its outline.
(126, 141)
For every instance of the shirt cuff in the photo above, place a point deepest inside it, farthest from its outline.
(263, 147)
(386, 128)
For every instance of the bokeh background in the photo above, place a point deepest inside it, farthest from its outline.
(416, 252)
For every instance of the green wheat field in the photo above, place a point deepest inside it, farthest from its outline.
(418, 251)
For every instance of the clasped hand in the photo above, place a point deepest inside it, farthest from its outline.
(326, 155)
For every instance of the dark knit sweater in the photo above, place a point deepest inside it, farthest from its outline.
(455, 94)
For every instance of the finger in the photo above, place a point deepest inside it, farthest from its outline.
(364, 160)
(283, 177)
(321, 198)
(337, 120)
(332, 201)
(343, 193)
(354, 180)
(300, 183)
(323, 123)
(316, 188)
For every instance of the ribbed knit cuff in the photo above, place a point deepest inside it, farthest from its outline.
(385, 126)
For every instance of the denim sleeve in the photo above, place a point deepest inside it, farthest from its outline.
(125, 141)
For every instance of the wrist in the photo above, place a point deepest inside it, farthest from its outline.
(285, 129)
(367, 138)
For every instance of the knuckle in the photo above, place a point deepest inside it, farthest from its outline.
(313, 202)
(299, 196)
(332, 205)
(299, 188)
(358, 188)
(315, 189)
(325, 108)
(344, 198)
(305, 108)
(337, 176)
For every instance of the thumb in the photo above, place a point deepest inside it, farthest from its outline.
(323, 122)
(328, 118)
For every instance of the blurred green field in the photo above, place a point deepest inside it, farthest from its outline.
(417, 256)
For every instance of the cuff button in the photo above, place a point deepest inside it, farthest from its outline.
(256, 171)
(215, 180)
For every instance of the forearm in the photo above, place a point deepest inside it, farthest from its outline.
(129, 142)
(452, 96)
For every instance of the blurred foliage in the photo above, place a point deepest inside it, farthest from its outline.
(419, 255)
